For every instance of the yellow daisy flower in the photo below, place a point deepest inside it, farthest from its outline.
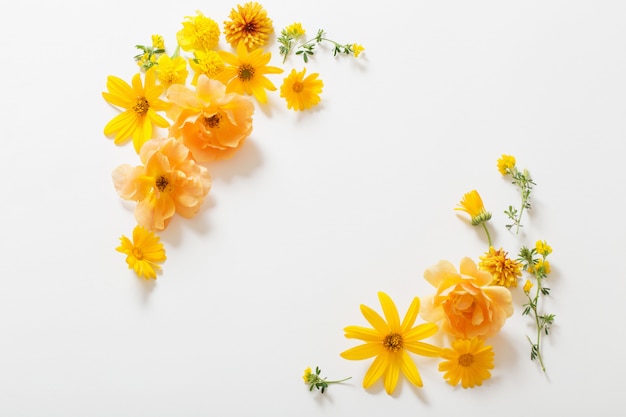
(389, 342)
(140, 103)
(506, 164)
(172, 71)
(248, 24)
(244, 72)
(468, 362)
(143, 252)
(473, 205)
(505, 271)
(301, 93)
(199, 33)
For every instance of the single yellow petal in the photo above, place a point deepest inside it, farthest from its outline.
(390, 311)
(365, 351)
(423, 349)
(411, 315)
(392, 373)
(376, 369)
(408, 368)
(421, 331)
(362, 333)
(375, 319)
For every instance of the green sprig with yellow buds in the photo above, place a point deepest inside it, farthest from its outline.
(523, 181)
(289, 36)
(314, 380)
(150, 54)
(534, 262)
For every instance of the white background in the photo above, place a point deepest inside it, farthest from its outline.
(317, 213)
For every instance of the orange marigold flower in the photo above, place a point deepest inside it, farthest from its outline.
(168, 182)
(301, 93)
(244, 72)
(212, 123)
(505, 271)
(465, 302)
(141, 102)
(248, 24)
(468, 362)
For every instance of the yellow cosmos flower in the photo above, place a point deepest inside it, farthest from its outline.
(172, 71)
(357, 49)
(208, 63)
(473, 205)
(543, 248)
(199, 33)
(299, 92)
(390, 341)
(141, 102)
(468, 362)
(506, 164)
(505, 271)
(248, 24)
(212, 123)
(244, 73)
(143, 253)
(169, 181)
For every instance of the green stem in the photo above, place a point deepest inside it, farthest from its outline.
(335, 382)
(539, 326)
(518, 221)
(487, 232)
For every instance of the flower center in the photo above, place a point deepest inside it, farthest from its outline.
(246, 72)
(141, 107)
(213, 121)
(249, 28)
(393, 342)
(162, 183)
(137, 254)
(466, 359)
(297, 86)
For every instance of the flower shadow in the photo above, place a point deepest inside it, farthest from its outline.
(243, 163)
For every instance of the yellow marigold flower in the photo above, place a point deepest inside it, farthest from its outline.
(505, 271)
(506, 164)
(543, 248)
(143, 253)
(468, 362)
(390, 341)
(213, 124)
(169, 181)
(244, 72)
(158, 42)
(473, 205)
(301, 93)
(209, 63)
(307, 374)
(199, 33)
(527, 286)
(466, 303)
(357, 49)
(141, 102)
(172, 71)
(295, 30)
(248, 24)
(541, 266)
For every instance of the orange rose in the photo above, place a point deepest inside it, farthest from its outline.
(465, 302)
(211, 123)
(169, 182)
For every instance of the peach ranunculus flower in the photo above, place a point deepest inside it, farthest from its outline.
(465, 302)
(211, 123)
(169, 181)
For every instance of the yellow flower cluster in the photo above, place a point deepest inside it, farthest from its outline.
(469, 306)
(189, 107)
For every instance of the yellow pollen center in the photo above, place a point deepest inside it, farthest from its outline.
(297, 87)
(213, 121)
(466, 359)
(141, 107)
(393, 342)
(246, 72)
(137, 254)
(162, 183)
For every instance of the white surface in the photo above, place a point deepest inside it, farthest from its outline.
(317, 212)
